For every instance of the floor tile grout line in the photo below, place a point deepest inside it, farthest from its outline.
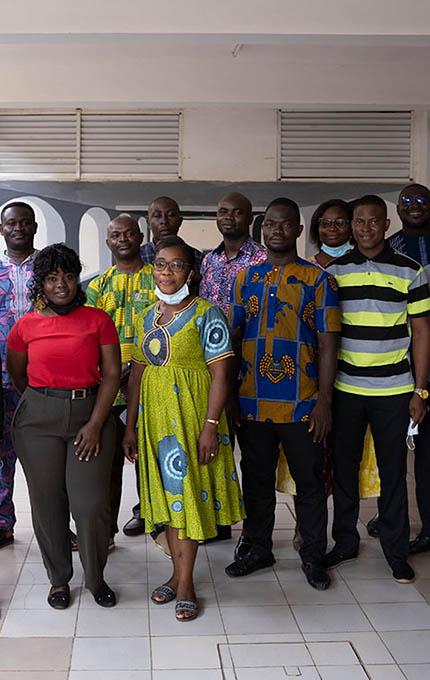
(16, 583)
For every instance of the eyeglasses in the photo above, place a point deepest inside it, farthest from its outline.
(160, 265)
(339, 223)
(408, 200)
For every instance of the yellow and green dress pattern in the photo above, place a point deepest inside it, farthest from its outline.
(175, 489)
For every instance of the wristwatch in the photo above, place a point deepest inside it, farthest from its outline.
(421, 393)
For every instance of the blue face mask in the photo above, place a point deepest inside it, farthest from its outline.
(338, 251)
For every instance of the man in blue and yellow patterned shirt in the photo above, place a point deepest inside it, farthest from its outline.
(284, 317)
(123, 291)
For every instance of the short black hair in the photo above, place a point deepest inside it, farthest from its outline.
(187, 252)
(165, 198)
(370, 199)
(319, 212)
(288, 202)
(18, 204)
(50, 259)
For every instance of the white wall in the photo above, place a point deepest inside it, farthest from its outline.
(231, 143)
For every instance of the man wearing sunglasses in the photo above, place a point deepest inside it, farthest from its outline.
(413, 240)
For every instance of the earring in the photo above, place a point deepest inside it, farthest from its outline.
(40, 302)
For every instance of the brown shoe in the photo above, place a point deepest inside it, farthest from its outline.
(6, 537)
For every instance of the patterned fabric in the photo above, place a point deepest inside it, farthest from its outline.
(147, 253)
(14, 301)
(7, 463)
(175, 489)
(123, 297)
(377, 296)
(369, 484)
(218, 272)
(280, 311)
(416, 247)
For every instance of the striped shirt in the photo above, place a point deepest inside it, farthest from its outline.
(376, 298)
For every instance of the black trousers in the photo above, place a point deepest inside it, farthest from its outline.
(44, 429)
(422, 472)
(388, 418)
(259, 444)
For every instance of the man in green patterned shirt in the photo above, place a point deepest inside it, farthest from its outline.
(123, 291)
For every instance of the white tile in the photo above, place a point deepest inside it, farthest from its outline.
(388, 672)
(408, 647)
(332, 653)
(383, 590)
(188, 674)
(34, 675)
(163, 622)
(185, 653)
(289, 571)
(300, 592)
(9, 573)
(330, 618)
(110, 622)
(394, 616)
(35, 573)
(259, 638)
(128, 596)
(14, 553)
(417, 671)
(108, 675)
(160, 572)
(39, 623)
(261, 655)
(342, 673)
(127, 553)
(126, 572)
(117, 653)
(246, 620)
(368, 646)
(35, 597)
(237, 592)
(260, 673)
(365, 568)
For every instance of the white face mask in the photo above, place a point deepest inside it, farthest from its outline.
(174, 298)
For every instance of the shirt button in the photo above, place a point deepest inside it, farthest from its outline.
(275, 269)
(272, 294)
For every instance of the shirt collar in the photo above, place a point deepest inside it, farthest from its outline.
(246, 247)
(7, 260)
(384, 256)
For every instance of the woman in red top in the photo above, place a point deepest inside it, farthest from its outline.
(64, 359)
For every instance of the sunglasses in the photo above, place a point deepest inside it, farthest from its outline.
(408, 200)
(160, 265)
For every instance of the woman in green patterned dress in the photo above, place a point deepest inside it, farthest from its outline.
(176, 394)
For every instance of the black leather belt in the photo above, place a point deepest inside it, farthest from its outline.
(67, 394)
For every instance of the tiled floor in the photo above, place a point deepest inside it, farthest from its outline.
(268, 626)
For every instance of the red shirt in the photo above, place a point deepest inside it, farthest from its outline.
(63, 351)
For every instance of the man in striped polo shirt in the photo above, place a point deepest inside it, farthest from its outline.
(385, 310)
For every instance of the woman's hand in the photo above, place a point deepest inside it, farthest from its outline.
(208, 443)
(88, 441)
(129, 445)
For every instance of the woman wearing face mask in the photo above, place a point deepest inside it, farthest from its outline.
(330, 230)
(64, 359)
(176, 394)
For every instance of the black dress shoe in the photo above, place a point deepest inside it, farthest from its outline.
(105, 596)
(420, 544)
(59, 599)
(316, 575)
(224, 534)
(335, 558)
(243, 546)
(134, 527)
(248, 564)
(372, 526)
(6, 537)
(403, 573)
